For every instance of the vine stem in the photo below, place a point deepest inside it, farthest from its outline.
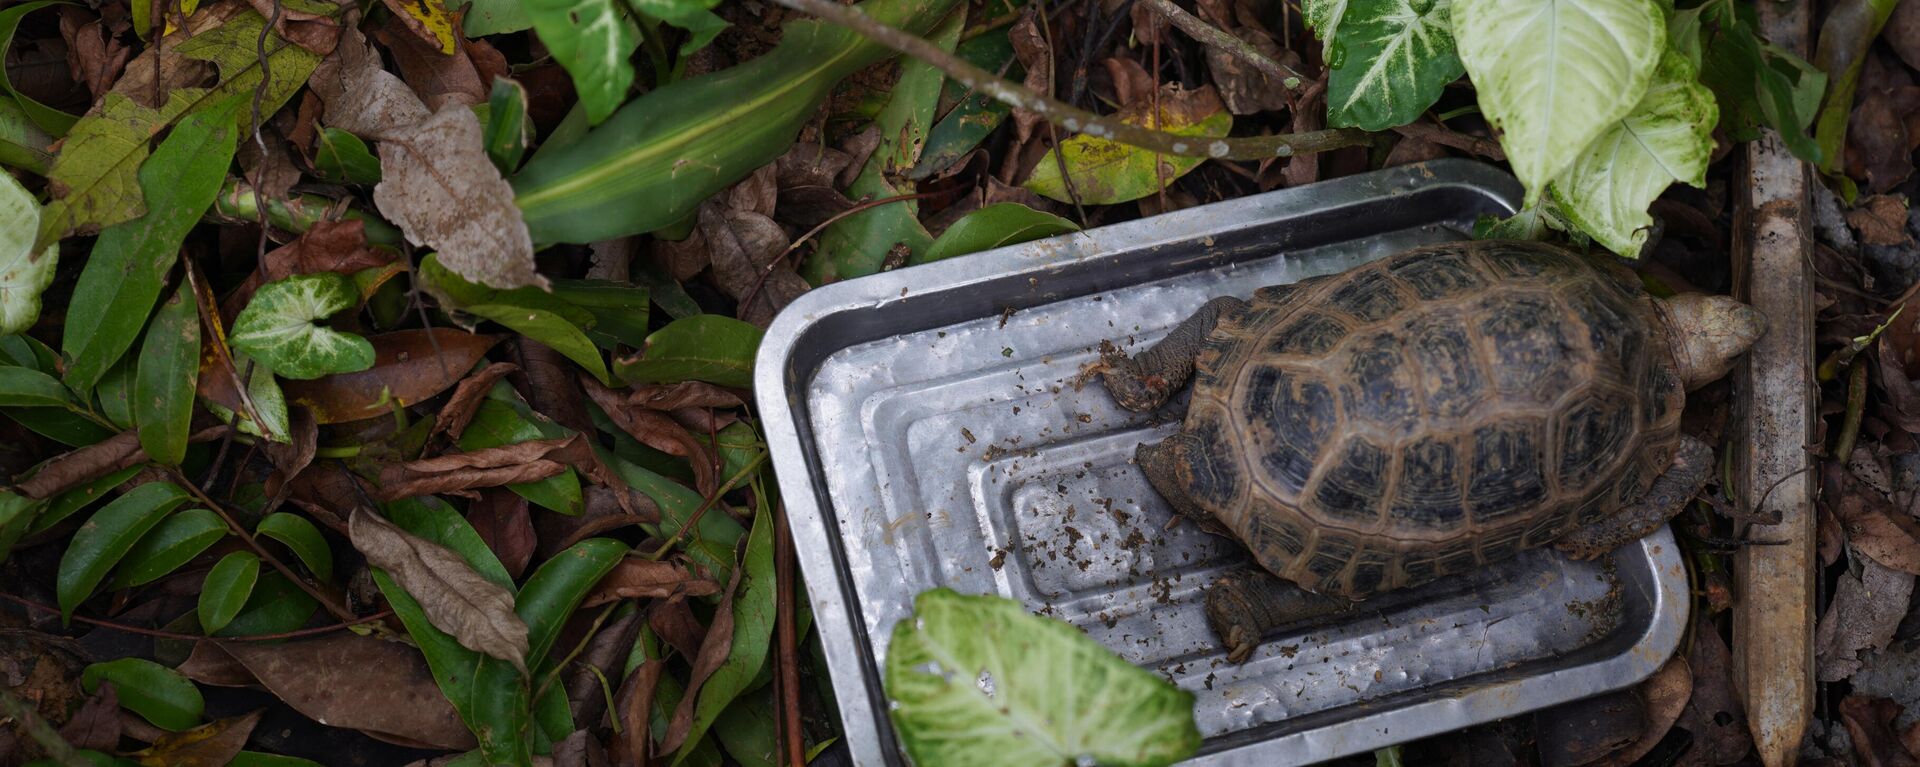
(164, 634)
(1071, 117)
(1226, 42)
(246, 536)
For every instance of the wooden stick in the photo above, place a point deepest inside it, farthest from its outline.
(1773, 618)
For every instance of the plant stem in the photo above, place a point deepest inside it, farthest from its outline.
(1228, 43)
(236, 205)
(164, 634)
(1073, 118)
(338, 611)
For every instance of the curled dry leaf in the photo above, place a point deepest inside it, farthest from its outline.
(214, 743)
(97, 724)
(1873, 526)
(603, 511)
(1666, 694)
(636, 578)
(1865, 611)
(606, 653)
(1877, 139)
(674, 621)
(315, 32)
(327, 246)
(1870, 723)
(473, 610)
(1714, 713)
(660, 432)
(495, 466)
(1035, 55)
(453, 417)
(550, 386)
(502, 520)
(408, 366)
(633, 709)
(713, 652)
(1880, 220)
(97, 460)
(685, 394)
(436, 77)
(94, 56)
(327, 680)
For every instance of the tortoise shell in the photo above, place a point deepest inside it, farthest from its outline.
(1429, 412)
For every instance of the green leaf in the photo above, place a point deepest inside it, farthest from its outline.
(858, 244)
(342, 157)
(129, 264)
(115, 393)
(714, 537)
(1846, 35)
(175, 542)
(227, 588)
(68, 503)
(977, 114)
(303, 538)
(277, 327)
(1553, 75)
(101, 543)
(704, 347)
(746, 730)
(495, 17)
(752, 631)
(22, 387)
(23, 144)
(169, 372)
(1755, 84)
(276, 607)
(456, 292)
(662, 154)
(1388, 59)
(269, 402)
(1668, 137)
(53, 121)
(509, 128)
(17, 514)
(551, 329)
(259, 759)
(1105, 172)
(554, 590)
(502, 419)
(63, 426)
(593, 40)
(24, 275)
(980, 675)
(98, 161)
(694, 16)
(158, 694)
(997, 225)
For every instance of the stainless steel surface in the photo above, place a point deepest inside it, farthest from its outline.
(928, 431)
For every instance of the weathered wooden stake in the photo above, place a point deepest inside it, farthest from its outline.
(1773, 616)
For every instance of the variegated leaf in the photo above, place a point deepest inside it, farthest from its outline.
(277, 327)
(1388, 59)
(23, 275)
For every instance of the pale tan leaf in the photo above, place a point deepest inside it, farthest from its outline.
(475, 611)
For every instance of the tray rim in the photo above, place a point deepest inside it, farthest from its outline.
(859, 696)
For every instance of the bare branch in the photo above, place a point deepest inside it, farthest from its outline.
(1227, 42)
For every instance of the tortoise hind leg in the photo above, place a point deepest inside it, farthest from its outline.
(1148, 379)
(1244, 606)
(1692, 465)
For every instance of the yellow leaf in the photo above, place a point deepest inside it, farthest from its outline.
(429, 20)
(1105, 172)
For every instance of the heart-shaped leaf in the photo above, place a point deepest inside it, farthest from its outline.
(277, 327)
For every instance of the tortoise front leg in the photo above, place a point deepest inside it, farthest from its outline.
(1692, 465)
(1149, 379)
(1243, 607)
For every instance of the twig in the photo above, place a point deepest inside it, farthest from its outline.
(1074, 118)
(323, 598)
(787, 683)
(1440, 134)
(164, 634)
(747, 300)
(1227, 43)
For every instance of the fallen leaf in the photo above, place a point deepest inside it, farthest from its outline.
(502, 520)
(492, 467)
(428, 21)
(1870, 723)
(293, 456)
(1902, 33)
(437, 77)
(97, 724)
(743, 247)
(604, 657)
(1880, 220)
(1035, 55)
(636, 578)
(1666, 694)
(210, 745)
(1714, 713)
(633, 709)
(1863, 615)
(713, 652)
(602, 512)
(86, 464)
(1873, 526)
(677, 626)
(1245, 90)
(550, 386)
(473, 610)
(408, 366)
(579, 749)
(684, 395)
(271, 171)
(94, 56)
(327, 246)
(660, 432)
(362, 97)
(454, 416)
(315, 27)
(1877, 151)
(327, 680)
(1131, 83)
(1103, 171)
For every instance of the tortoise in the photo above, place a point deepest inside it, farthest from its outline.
(1425, 414)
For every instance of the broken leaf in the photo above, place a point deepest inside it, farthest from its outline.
(439, 186)
(1865, 611)
(502, 419)
(24, 274)
(635, 578)
(158, 694)
(277, 327)
(226, 589)
(1104, 172)
(980, 674)
(456, 599)
(107, 537)
(408, 366)
(1880, 219)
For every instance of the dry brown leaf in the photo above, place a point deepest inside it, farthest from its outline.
(1245, 90)
(408, 366)
(635, 578)
(606, 654)
(1873, 526)
(296, 454)
(1714, 713)
(660, 432)
(328, 246)
(1036, 57)
(454, 416)
(1666, 694)
(1877, 149)
(495, 466)
(93, 56)
(1902, 33)
(436, 77)
(550, 387)
(315, 32)
(742, 248)
(86, 464)
(676, 625)
(1880, 220)
(326, 679)
(210, 745)
(271, 171)
(97, 724)
(501, 518)
(603, 512)
(1865, 611)
(580, 749)
(685, 394)
(1131, 84)
(475, 611)
(633, 708)
(713, 652)
(1870, 723)
(361, 96)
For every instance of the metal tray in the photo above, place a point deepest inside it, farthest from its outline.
(927, 432)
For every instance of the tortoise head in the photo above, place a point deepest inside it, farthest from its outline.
(1708, 333)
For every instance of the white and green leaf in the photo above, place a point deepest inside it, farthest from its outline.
(1553, 75)
(278, 327)
(978, 680)
(24, 275)
(1388, 60)
(593, 40)
(1668, 137)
